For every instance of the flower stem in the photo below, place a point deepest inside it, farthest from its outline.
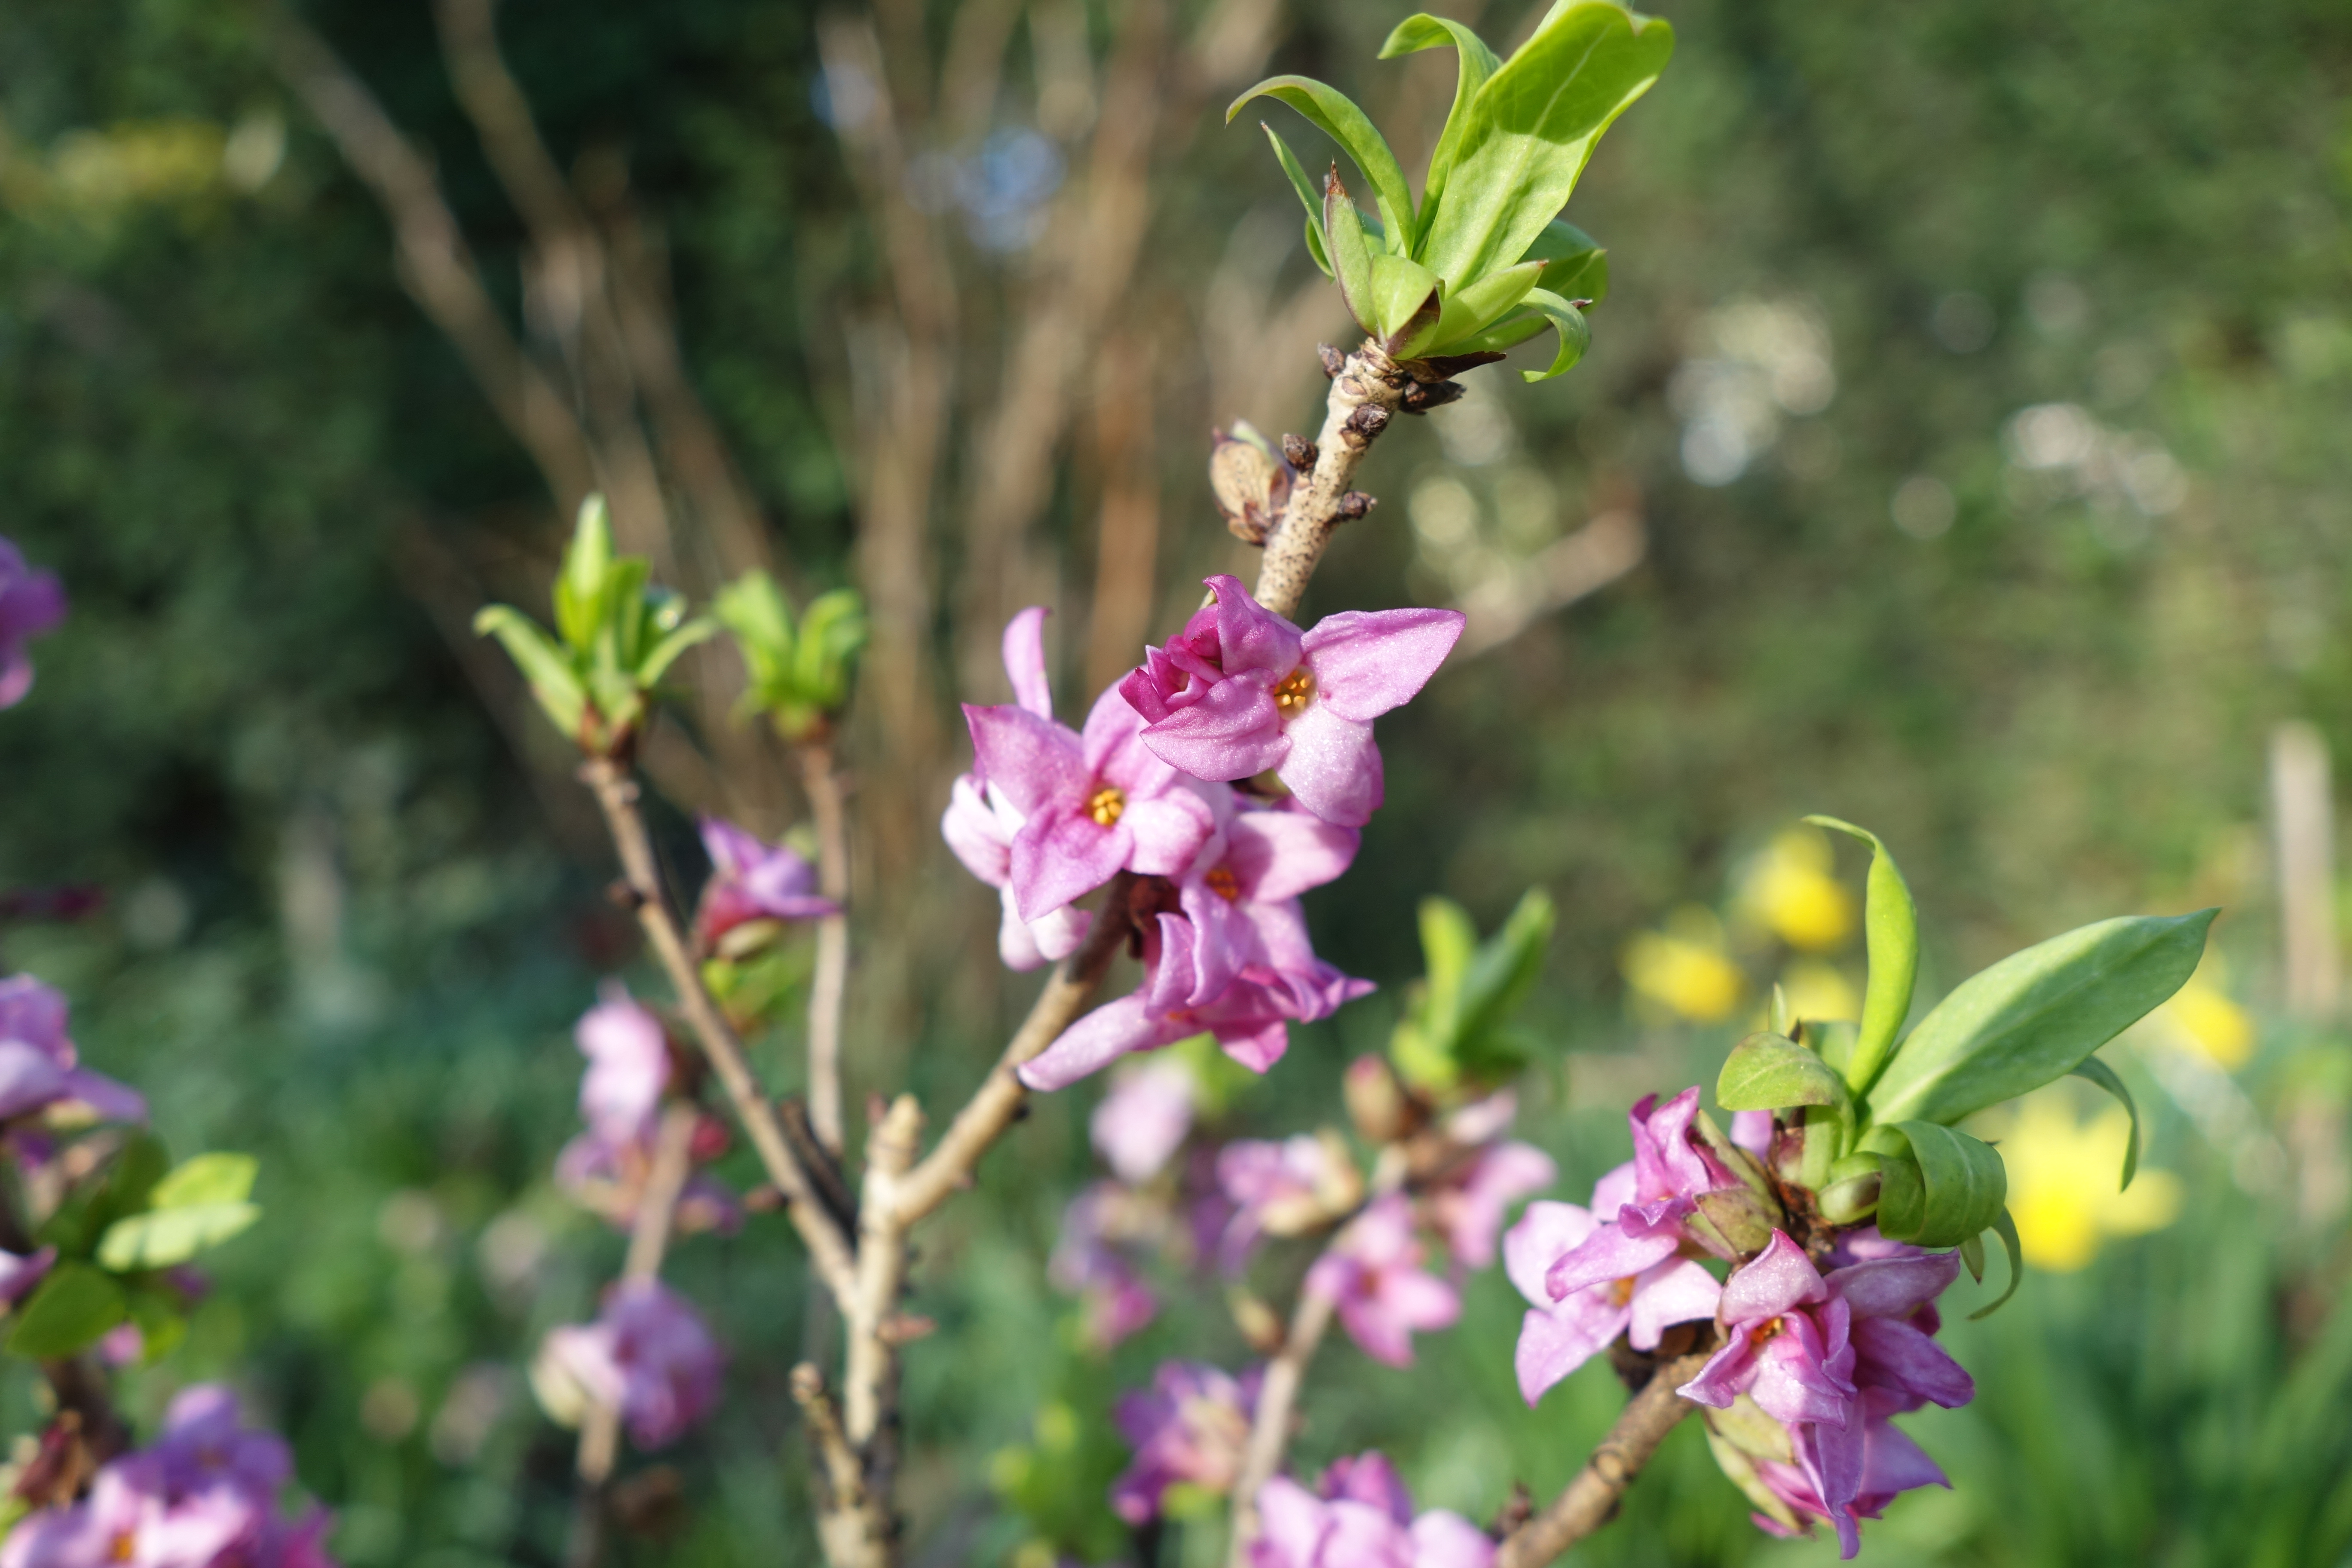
(1591, 1499)
(830, 984)
(1278, 1395)
(830, 1251)
(1364, 398)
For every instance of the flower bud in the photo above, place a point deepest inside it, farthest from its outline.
(1250, 481)
(1378, 1104)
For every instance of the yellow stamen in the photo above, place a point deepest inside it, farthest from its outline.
(1224, 884)
(1297, 691)
(1107, 806)
(1622, 1292)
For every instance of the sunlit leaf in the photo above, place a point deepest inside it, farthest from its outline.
(1406, 305)
(218, 1178)
(163, 1237)
(1770, 1073)
(1470, 310)
(1477, 62)
(1891, 930)
(2034, 1017)
(548, 669)
(1351, 258)
(1575, 267)
(1575, 336)
(1962, 1183)
(2100, 1073)
(1333, 113)
(1529, 132)
(2006, 1229)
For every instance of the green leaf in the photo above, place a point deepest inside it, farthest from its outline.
(583, 602)
(1470, 310)
(547, 668)
(1891, 935)
(665, 652)
(2100, 1073)
(1505, 334)
(2006, 1229)
(1575, 267)
(1501, 975)
(1330, 111)
(1575, 336)
(73, 1308)
(753, 611)
(163, 1237)
(1351, 258)
(1770, 1073)
(1530, 129)
(1902, 1195)
(161, 1318)
(207, 1179)
(1477, 63)
(1962, 1183)
(1972, 1256)
(1406, 305)
(1831, 1039)
(2034, 1017)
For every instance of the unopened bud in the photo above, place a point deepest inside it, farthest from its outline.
(1299, 452)
(1421, 396)
(1356, 504)
(1258, 1322)
(1334, 362)
(711, 1138)
(1367, 421)
(1376, 1102)
(1251, 483)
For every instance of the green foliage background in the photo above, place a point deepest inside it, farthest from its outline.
(346, 933)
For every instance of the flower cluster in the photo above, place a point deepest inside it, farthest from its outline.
(630, 1070)
(1360, 1514)
(205, 1495)
(1811, 1365)
(39, 1070)
(647, 1356)
(1048, 815)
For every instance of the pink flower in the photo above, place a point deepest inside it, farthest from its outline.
(1832, 1358)
(1188, 1427)
(979, 827)
(31, 605)
(205, 1443)
(647, 1355)
(1250, 1017)
(1114, 1301)
(1242, 690)
(19, 1275)
(1089, 805)
(1640, 1206)
(1144, 1120)
(628, 1065)
(38, 1064)
(1280, 1189)
(752, 880)
(1241, 893)
(1364, 1520)
(1558, 1336)
(1373, 1272)
(1468, 1209)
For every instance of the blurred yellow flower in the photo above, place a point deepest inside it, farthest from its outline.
(1790, 891)
(1820, 990)
(2061, 1182)
(1683, 969)
(2207, 1019)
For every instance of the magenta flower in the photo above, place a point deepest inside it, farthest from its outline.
(647, 1355)
(1242, 690)
(127, 1521)
(31, 604)
(1785, 1342)
(38, 1064)
(1373, 1272)
(1640, 1207)
(205, 1443)
(1114, 1301)
(1557, 1336)
(1890, 1464)
(752, 881)
(1468, 1208)
(19, 1274)
(1250, 1018)
(1188, 1428)
(1241, 892)
(1144, 1118)
(628, 1064)
(980, 826)
(1089, 804)
(1364, 1520)
(1280, 1189)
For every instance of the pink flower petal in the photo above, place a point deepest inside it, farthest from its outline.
(1892, 1354)
(1555, 1341)
(1034, 761)
(1091, 1044)
(1278, 855)
(1024, 661)
(1064, 854)
(1895, 1286)
(1608, 1254)
(1367, 662)
(1777, 1280)
(1332, 768)
(1443, 1539)
(1677, 1291)
(1231, 732)
(1251, 638)
(1545, 1233)
(1167, 831)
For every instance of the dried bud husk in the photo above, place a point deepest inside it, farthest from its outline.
(1250, 481)
(1741, 1217)
(1738, 1437)
(1260, 1325)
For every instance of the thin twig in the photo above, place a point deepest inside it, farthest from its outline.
(1364, 398)
(995, 1105)
(830, 984)
(830, 1251)
(599, 1433)
(1591, 1499)
(1278, 1395)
